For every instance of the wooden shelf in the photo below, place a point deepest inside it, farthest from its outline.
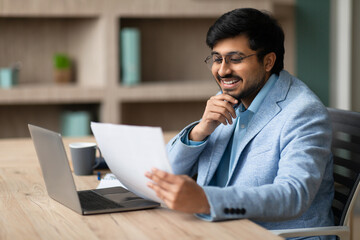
(50, 8)
(168, 91)
(50, 94)
(165, 8)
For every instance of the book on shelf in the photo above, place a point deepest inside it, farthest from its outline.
(130, 56)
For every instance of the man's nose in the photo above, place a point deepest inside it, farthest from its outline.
(224, 68)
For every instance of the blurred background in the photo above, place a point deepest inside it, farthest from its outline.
(66, 63)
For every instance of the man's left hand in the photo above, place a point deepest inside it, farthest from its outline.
(179, 192)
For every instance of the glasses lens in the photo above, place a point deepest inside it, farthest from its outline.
(209, 62)
(213, 60)
(235, 58)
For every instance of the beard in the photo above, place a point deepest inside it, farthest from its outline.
(250, 91)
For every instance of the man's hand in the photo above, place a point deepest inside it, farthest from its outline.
(219, 109)
(179, 192)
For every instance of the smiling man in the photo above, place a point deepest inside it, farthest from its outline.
(262, 148)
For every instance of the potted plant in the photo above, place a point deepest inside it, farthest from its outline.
(62, 68)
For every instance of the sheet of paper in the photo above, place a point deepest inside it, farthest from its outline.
(130, 151)
(108, 181)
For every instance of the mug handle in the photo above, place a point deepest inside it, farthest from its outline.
(97, 163)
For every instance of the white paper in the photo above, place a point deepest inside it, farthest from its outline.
(130, 151)
(108, 181)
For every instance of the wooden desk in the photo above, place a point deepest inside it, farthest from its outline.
(27, 212)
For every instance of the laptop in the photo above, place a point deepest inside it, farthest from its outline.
(60, 183)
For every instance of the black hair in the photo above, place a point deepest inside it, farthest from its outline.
(264, 33)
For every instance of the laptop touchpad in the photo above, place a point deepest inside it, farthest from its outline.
(122, 197)
(118, 194)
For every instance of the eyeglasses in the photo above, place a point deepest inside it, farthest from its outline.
(232, 58)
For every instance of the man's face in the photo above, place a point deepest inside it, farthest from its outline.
(239, 77)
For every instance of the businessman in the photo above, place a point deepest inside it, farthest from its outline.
(262, 147)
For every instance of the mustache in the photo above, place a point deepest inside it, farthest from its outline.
(219, 78)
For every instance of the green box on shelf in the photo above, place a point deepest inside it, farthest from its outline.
(75, 124)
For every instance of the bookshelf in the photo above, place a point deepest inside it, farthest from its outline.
(175, 83)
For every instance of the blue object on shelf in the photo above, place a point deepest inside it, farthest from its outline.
(75, 124)
(130, 56)
(8, 77)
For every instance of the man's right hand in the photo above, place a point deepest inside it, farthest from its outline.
(219, 109)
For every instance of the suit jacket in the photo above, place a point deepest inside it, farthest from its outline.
(282, 177)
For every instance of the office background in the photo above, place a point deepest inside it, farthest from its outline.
(62, 63)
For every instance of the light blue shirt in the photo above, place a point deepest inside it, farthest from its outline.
(243, 117)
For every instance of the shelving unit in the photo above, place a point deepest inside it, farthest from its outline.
(51, 94)
(175, 83)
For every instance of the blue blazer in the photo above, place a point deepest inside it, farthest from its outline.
(283, 174)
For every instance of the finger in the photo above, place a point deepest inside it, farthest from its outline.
(226, 105)
(212, 116)
(226, 97)
(223, 104)
(164, 176)
(168, 203)
(148, 175)
(157, 180)
(160, 192)
(224, 112)
(160, 182)
(156, 188)
(220, 114)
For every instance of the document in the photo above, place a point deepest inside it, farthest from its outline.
(109, 181)
(130, 151)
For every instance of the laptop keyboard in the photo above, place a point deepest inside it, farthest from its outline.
(92, 201)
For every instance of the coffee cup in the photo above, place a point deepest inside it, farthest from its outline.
(83, 156)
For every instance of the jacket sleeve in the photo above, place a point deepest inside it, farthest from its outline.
(182, 156)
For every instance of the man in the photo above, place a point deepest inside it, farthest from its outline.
(262, 148)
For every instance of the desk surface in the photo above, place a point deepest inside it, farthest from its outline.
(26, 211)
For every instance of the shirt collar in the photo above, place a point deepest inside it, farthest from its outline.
(255, 104)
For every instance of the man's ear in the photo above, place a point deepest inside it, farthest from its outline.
(269, 61)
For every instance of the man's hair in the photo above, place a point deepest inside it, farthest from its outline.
(264, 33)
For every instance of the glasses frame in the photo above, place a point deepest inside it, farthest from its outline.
(226, 58)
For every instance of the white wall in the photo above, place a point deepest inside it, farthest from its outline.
(340, 54)
(356, 57)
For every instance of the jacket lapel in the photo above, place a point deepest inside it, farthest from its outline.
(267, 111)
(219, 145)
